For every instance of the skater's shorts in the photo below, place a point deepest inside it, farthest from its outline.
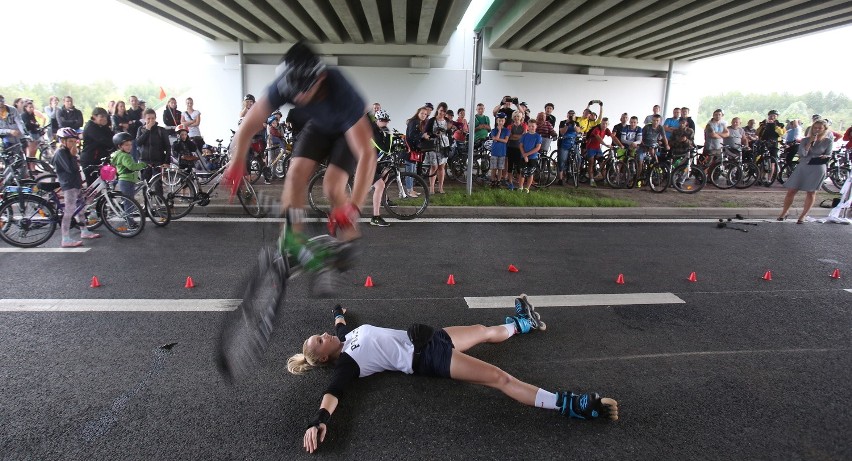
(436, 356)
(319, 146)
(498, 163)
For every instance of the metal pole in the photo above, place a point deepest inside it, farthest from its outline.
(668, 88)
(242, 60)
(477, 37)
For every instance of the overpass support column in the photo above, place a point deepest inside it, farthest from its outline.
(242, 59)
(668, 88)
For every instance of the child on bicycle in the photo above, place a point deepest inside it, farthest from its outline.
(434, 352)
(499, 137)
(67, 166)
(382, 142)
(185, 149)
(124, 164)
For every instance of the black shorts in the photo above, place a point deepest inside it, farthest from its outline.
(320, 147)
(530, 167)
(436, 356)
(513, 159)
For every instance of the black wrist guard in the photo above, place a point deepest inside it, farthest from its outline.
(322, 417)
(337, 312)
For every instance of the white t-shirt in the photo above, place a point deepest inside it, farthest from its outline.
(716, 127)
(377, 349)
(194, 131)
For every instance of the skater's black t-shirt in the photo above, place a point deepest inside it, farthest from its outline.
(338, 108)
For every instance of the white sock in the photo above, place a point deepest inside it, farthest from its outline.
(510, 327)
(546, 400)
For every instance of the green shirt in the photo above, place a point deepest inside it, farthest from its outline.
(481, 133)
(125, 166)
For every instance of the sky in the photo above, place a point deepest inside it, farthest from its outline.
(168, 55)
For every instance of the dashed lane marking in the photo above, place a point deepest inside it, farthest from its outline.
(44, 250)
(617, 299)
(118, 305)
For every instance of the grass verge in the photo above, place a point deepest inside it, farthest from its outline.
(537, 198)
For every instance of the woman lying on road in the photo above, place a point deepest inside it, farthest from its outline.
(422, 350)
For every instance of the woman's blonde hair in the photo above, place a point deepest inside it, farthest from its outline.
(307, 360)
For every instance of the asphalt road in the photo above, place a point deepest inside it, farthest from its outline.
(743, 369)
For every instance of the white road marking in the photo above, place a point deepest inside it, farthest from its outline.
(544, 220)
(672, 355)
(118, 305)
(849, 290)
(616, 299)
(44, 250)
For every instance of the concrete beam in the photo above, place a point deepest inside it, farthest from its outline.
(400, 16)
(826, 19)
(521, 13)
(619, 16)
(636, 21)
(374, 21)
(348, 19)
(202, 10)
(234, 10)
(427, 14)
(788, 19)
(725, 19)
(672, 22)
(451, 23)
(343, 49)
(324, 19)
(593, 12)
(547, 18)
(553, 33)
(575, 59)
(300, 20)
(181, 19)
(765, 40)
(271, 16)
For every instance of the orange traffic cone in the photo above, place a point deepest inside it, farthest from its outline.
(767, 276)
(451, 280)
(692, 277)
(835, 274)
(189, 283)
(369, 282)
(620, 279)
(95, 282)
(512, 268)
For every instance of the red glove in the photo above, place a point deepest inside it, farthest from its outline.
(232, 176)
(343, 217)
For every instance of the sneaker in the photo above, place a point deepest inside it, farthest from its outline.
(510, 187)
(526, 318)
(560, 183)
(592, 183)
(582, 406)
(378, 221)
(87, 234)
(266, 181)
(68, 242)
(527, 190)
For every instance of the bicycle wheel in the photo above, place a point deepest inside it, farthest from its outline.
(457, 168)
(156, 208)
(834, 179)
(248, 199)
(658, 178)
(724, 175)
(785, 173)
(279, 169)
(27, 220)
(245, 331)
(177, 189)
(688, 179)
(575, 166)
(317, 198)
(616, 175)
(747, 175)
(123, 216)
(255, 171)
(546, 174)
(768, 170)
(397, 200)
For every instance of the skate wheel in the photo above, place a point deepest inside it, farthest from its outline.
(542, 326)
(536, 315)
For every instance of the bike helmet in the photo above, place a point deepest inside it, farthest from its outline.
(207, 147)
(121, 138)
(180, 128)
(301, 68)
(271, 119)
(66, 133)
(381, 114)
(249, 97)
(773, 112)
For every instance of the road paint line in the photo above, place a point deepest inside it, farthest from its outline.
(673, 355)
(616, 299)
(849, 290)
(479, 220)
(44, 250)
(118, 305)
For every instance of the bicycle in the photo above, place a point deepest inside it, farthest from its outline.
(733, 170)
(156, 207)
(837, 171)
(182, 191)
(28, 220)
(767, 165)
(678, 172)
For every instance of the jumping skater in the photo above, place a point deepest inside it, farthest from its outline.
(422, 350)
